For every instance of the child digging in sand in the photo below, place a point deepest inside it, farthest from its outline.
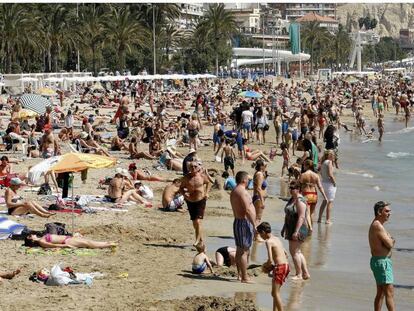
(277, 260)
(201, 261)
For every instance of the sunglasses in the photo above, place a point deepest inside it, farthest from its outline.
(293, 188)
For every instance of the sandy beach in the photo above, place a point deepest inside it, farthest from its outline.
(151, 268)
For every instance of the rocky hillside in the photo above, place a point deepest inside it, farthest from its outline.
(391, 17)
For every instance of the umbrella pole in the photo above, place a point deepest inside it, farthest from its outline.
(73, 206)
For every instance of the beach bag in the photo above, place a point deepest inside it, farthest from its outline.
(45, 189)
(266, 127)
(56, 228)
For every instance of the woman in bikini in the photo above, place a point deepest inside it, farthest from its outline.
(259, 189)
(253, 155)
(64, 241)
(17, 206)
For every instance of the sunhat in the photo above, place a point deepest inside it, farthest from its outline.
(83, 135)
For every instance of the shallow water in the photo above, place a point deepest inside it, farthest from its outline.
(338, 255)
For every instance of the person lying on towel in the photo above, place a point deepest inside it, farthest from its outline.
(64, 241)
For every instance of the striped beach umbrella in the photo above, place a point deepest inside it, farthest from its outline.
(35, 103)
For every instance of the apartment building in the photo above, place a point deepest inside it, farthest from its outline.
(293, 11)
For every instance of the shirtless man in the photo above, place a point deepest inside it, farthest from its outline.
(50, 146)
(195, 187)
(117, 192)
(243, 225)
(172, 200)
(381, 244)
(310, 181)
(193, 129)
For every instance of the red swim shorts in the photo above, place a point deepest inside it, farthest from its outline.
(280, 273)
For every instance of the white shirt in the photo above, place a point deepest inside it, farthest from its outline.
(247, 116)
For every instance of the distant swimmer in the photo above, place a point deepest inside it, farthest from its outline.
(381, 244)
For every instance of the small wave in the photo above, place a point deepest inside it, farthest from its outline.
(377, 188)
(402, 131)
(397, 155)
(360, 173)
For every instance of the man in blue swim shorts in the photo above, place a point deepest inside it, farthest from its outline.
(381, 244)
(244, 223)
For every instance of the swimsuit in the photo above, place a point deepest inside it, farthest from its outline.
(280, 273)
(381, 267)
(256, 196)
(228, 163)
(196, 209)
(291, 219)
(176, 203)
(193, 133)
(243, 233)
(225, 253)
(48, 238)
(198, 269)
(311, 197)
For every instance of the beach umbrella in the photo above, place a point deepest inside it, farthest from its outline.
(45, 91)
(27, 114)
(35, 103)
(250, 94)
(69, 163)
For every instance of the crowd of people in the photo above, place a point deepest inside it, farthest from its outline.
(306, 117)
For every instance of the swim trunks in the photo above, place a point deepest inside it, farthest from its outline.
(311, 197)
(243, 233)
(280, 273)
(247, 126)
(196, 209)
(198, 269)
(175, 204)
(228, 163)
(381, 267)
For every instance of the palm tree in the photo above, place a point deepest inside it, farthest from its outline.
(124, 31)
(90, 33)
(218, 25)
(57, 25)
(342, 45)
(158, 19)
(311, 35)
(15, 24)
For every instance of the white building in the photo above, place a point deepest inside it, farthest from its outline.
(190, 14)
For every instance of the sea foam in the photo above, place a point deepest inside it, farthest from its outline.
(398, 155)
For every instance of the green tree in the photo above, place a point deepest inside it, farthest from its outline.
(124, 32)
(313, 36)
(217, 27)
(91, 30)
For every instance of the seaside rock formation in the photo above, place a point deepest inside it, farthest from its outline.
(391, 17)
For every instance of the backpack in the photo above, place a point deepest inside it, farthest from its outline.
(56, 228)
(45, 189)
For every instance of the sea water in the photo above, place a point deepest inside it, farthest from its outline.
(338, 255)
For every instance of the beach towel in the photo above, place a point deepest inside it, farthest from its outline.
(58, 251)
(9, 227)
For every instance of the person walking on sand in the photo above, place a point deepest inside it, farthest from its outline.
(243, 225)
(195, 187)
(381, 244)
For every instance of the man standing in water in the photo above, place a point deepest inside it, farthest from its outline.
(381, 244)
(243, 225)
(195, 187)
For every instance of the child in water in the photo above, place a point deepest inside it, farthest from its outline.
(201, 261)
